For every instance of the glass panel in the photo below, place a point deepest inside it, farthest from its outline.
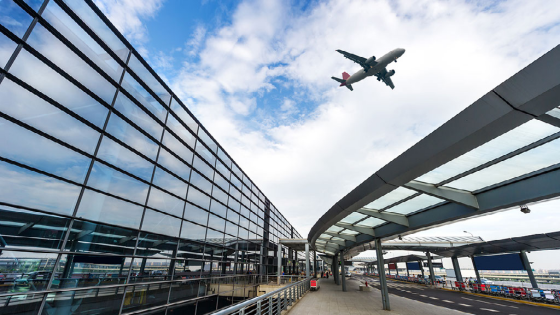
(7, 48)
(41, 153)
(25, 304)
(170, 183)
(132, 137)
(349, 232)
(198, 198)
(219, 195)
(146, 270)
(538, 158)
(34, 4)
(203, 168)
(216, 222)
(177, 147)
(193, 232)
(99, 27)
(207, 140)
(135, 65)
(218, 208)
(195, 214)
(222, 182)
(370, 222)
(145, 296)
(79, 38)
(173, 164)
(92, 237)
(14, 18)
(110, 180)
(184, 290)
(49, 46)
(26, 188)
(554, 113)
(25, 271)
(28, 229)
(160, 223)
(353, 217)
(231, 228)
(37, 74)
(233, 216)
(517, 138)
(181, 131)
(390, 198)
(141, 95)
(121, 157)
(155, 246)
(85, 301)
(417, 203)
(184, 116)
(76, 271)
(99, 207)
(165, 202)
(34, 111)
(138, 116)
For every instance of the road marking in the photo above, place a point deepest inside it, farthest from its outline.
(447, 301)
(423, 295)
(489, 310)
(465, 304)
(433, 298)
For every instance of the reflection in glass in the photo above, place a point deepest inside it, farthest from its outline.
(181, 131)
(110, 180)
(131, 136)
(145, 296)
(28, 229)
(177, 147)
(14, 18)
(103, 208)
(205, 153)
(135, 65)
(170, 182)
(417, 203)
(26, 188)
(41, 77)
(165, 202)
(25, 271)
(218, 208)
(92, 237)
(173, 164)
(156, 246)
(201, 182)
(76, 271)
(138, 116)
(7, 48)
(203, 168)
(147, 270)
(24, 304)
(34, 111)
(184, 116)
(160, 223)
(49, 46)
(193, 232)
(185, 290)
(198, 198)
(41, 153)
(121, 157)
(140, 94)
(99, 300)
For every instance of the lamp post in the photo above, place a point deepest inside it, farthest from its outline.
(469, 233)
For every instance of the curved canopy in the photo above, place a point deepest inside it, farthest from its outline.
(501, 151)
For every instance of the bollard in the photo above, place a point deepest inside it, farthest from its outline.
(270, 310)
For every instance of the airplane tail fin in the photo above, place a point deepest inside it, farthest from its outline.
(342, 81)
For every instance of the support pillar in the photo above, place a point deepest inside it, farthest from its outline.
(279, 257)
(422, 268)
(335, 269)
(343, 271)
(307, 274)
(397, 268)
(457, 269)
(407, 272)
(475, 271)
(315, 264)
(527, 265)
(431, 267)
(382, 279)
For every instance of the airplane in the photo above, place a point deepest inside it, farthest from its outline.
(371, 67)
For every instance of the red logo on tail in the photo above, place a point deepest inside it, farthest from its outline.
(345, 76)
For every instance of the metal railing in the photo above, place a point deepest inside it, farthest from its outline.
(272, 303)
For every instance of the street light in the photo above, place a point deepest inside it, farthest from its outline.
(469, 233)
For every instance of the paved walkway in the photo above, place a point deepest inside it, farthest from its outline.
(331, 300)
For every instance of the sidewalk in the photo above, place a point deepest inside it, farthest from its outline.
(331, 300)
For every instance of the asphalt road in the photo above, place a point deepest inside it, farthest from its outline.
(467, 303)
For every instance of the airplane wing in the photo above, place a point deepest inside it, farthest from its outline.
(357, 59)
(386, 79)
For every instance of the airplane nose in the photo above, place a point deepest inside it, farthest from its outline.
(402, 50)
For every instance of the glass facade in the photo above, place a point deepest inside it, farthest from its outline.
(114, 199)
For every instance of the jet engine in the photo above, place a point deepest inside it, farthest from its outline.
(370, 60)
(390, 73)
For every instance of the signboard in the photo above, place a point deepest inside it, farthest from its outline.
(413, 265)
(499, 262)
(392, 266)
(434, 265)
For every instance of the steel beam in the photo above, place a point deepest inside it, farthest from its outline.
(476, 271)
(450, 194)
(431, 267)
(391, 217)
(529, 270)
(344, 236)
(343, 272)
(307, 260)
(363, 230)
(382, 280)
(279, 257)
(457, 269)
(341, 243)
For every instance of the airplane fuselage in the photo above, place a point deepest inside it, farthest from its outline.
(377, 67)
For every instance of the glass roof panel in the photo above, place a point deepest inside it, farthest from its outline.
(325, 236)
(555, 112)
(533, 160)
(320, 241)
(353, 217)
(334, 229)
(415, 204)
(371, 222)
(338, 239)
(349, 232)
(519, 137)
(390, 198)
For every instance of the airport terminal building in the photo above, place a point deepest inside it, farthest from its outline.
(114, 199)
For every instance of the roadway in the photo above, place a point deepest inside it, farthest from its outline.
(455, 300)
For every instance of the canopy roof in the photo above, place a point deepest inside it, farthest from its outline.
(501, 151)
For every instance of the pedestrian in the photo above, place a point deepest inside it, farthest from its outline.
(327, 274)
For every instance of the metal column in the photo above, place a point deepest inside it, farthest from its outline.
(343, 271)
(431, 267)
(335, 269)
(407, 272)
(307, 260)
(475, 270)
(457, 269)
(279, 254)
(382, 279)
(397, 268)
(527, 265)
(315, 264)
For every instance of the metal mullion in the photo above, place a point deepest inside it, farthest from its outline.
(25, 36)
(67, 236)
(502, 158)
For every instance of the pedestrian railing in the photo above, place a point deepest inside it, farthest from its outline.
(272, 303)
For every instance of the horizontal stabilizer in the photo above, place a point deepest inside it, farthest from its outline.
(338, 80)
(349, 87)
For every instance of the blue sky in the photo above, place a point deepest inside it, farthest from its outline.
(257, 75)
